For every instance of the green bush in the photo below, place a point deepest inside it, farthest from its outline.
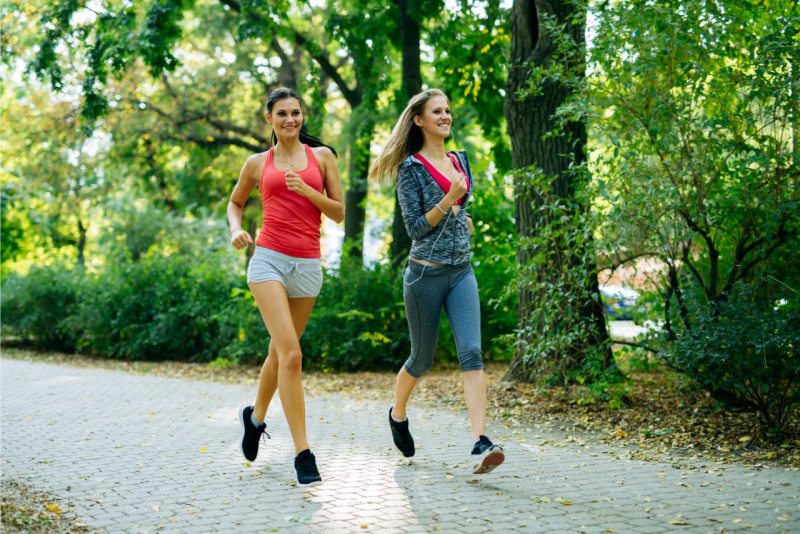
(158, 308)
(243, 337)
(176, 308)
(35, 307)
(746, 353)
(359, 321)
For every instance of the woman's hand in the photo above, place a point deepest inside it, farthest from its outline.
(296, 184)
(458, 188)
(240, 239)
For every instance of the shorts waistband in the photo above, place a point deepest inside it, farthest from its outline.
(274, 254)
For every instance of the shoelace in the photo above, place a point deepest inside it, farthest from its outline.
(264, 433)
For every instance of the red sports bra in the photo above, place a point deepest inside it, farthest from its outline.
(440, 178)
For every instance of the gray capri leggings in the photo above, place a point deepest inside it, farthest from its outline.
(455, 288)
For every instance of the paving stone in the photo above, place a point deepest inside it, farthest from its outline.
(132, 466)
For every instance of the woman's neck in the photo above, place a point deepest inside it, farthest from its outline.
(288, 147)
(433, 150)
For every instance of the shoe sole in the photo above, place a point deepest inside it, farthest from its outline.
(487, 464)
(404, 454)
(309, 484)
(241, 441)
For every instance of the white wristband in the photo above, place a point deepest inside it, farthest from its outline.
(440, 209)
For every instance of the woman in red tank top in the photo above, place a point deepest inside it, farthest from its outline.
(298, 182)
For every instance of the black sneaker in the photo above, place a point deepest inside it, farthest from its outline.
(403, 441)
(250, 433)
(306, 466)
(486, 456)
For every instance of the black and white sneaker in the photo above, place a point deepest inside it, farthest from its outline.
(251, 434)
(306, 466)
(486, 456)
(403, 441)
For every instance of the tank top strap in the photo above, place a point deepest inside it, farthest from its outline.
(312, 160)
(267, 167)
(456, 163)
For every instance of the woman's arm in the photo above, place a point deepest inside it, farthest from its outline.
(248, 178)
(331, 203)
(409, 198)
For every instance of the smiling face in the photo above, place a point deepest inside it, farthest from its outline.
(286, 117)
(435, 119)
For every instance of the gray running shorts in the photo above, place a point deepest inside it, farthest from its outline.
(302, 277)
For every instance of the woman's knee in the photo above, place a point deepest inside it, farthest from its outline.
(471, 358)
(417, 367)
(291, 360)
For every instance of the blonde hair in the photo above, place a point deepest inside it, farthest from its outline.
(406, 138)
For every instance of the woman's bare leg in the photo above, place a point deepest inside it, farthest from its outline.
(475, 396)
(268, 379)
(402, 391)
(277, 311)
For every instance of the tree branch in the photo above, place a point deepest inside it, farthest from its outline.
(693, 269)
(224, 126)
(216, 141)
(737, 272)
(713, 253)
(614, 266)
(353, 97)
(637, 345)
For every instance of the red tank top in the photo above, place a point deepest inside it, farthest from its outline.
(291, 221)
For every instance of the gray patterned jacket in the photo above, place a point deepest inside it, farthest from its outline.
(418, 193)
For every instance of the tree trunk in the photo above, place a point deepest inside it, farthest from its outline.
(356, 196)
(411, 85)
(528, 119)
(81, 243)
(794, 69)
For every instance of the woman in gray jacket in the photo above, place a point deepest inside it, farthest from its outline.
(434, 188)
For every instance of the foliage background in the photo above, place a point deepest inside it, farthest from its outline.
(124, 126)
(130, 125)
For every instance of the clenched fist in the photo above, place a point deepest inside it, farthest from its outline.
(458, 188)
(296, 184)
(240, 239)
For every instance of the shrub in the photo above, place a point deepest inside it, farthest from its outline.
(157, 308)
(35, 307)
(359, 321)
(746, 354)
(176, 308)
